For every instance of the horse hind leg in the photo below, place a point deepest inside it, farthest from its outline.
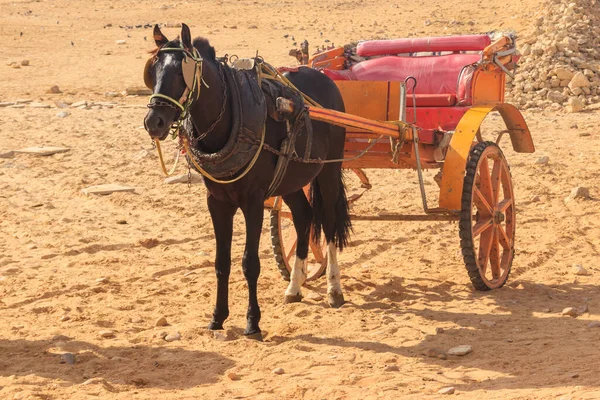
(302, 217)
(331, 212)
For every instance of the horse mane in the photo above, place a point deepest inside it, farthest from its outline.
(200, 43)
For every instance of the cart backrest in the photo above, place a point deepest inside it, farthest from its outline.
(371, 48)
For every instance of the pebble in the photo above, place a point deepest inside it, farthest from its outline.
(579, 270)
(24, 63)
(107, 333)
(67, 358)
(111, 94)
(107, 189)
(121, 41)
(233, 376)
(460, 350)
(447, 390)
(101, 281)
(138, 91)
(7, 154)
(434, 352)
(543, 160)
(54, 90)
(63, 114)
(391, 368)
(137, 320)
(219, 336)
(79, 104)
(570, 311)
(162, 321)
(314, 296)
(594, 324)
(65, 318)
(278, 371)
(173, 337)
(535, 199)
(439, 330)
(39, 105)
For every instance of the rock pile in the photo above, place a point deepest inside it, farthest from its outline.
(560, 66)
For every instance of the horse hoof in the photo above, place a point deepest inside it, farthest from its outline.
(254, 335)
(336, 300)
(215, 326)
(296, 298)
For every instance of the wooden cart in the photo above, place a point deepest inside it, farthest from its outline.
(444, 87)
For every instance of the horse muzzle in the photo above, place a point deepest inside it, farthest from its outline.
(157, 125)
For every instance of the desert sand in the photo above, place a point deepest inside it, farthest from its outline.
(75, 265)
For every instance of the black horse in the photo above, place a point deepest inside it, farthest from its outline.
(213, 112)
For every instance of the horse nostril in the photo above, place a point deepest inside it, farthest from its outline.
(160, 123)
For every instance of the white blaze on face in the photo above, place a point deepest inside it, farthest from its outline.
(297, 277)
(333, 271)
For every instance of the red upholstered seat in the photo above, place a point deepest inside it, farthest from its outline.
(435, 74)
(432, 100)
(429, 44)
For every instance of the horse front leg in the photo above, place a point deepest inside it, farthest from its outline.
(253, 213)
(222, 214)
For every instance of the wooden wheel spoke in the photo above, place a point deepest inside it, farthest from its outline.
(485, 183)
(485, 247)
(495, 254)
(504, 205)
(496, 180)
(503, 238)
(481, 202)
(292, 251)
(317, 251)
(482, 226)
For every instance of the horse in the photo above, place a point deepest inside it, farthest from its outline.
(187, 78)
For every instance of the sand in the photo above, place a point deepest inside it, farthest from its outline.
(74, 265)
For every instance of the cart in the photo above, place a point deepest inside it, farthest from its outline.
(419, 103)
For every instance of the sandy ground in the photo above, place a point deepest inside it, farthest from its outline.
(155, 247)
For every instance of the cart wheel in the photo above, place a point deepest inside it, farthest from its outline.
(283, 240)
(487, 217)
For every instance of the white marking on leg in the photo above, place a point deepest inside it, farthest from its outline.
(333, 271)
(297, 277)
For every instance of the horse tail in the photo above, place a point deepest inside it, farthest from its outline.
(342, 224)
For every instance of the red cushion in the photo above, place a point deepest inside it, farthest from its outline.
(432, 100)
(428, 44)
(435, 74)
(339, 75)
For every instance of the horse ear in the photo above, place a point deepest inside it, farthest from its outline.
(159, 38)
(186, 37)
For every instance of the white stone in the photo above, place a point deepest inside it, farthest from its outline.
(39, 105)
(543, 160)
(447, 390)
(578, 269)
(107, 189)
(574, 105)
(278, 371)
(43, 151)
(122, 41)
(173, 337)
(79, 104)
(460, 350)
(570, 311)
(63, 114)
(579, 80)
(107, 333)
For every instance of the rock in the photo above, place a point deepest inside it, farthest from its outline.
(562, 74)
(65, 318)
(138, 91)
(460, 350)
(43, 151)
(570, 311)
(67, 358)
(107, 333)
(543, 160)
(391, 368)
(278, 371)
(233, 376)
(526, 49)
(54, 90)
(535, 199)
(447, 390)
(25, 63)
(183, 178)
(78, 104)
(578, 80)
(579, 192)
(121, 41)
(107, 189)
(6, 104)
(61, 104)
(63, 114)
(39, 105)
(160, 335)
(111, 94)
(555, 96)
(439, 330)
(434, 352)
(314, 296)
(162, 321)
(101, 281)
(137, 320)
(579, 270)
(7, 154)
(173, 337)
(574, 105)
(594, 324)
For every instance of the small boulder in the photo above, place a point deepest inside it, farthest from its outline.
(570, 311)
(574, 105)
(578, 192)
(460, 350)
(447, 390)
(579, 80)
